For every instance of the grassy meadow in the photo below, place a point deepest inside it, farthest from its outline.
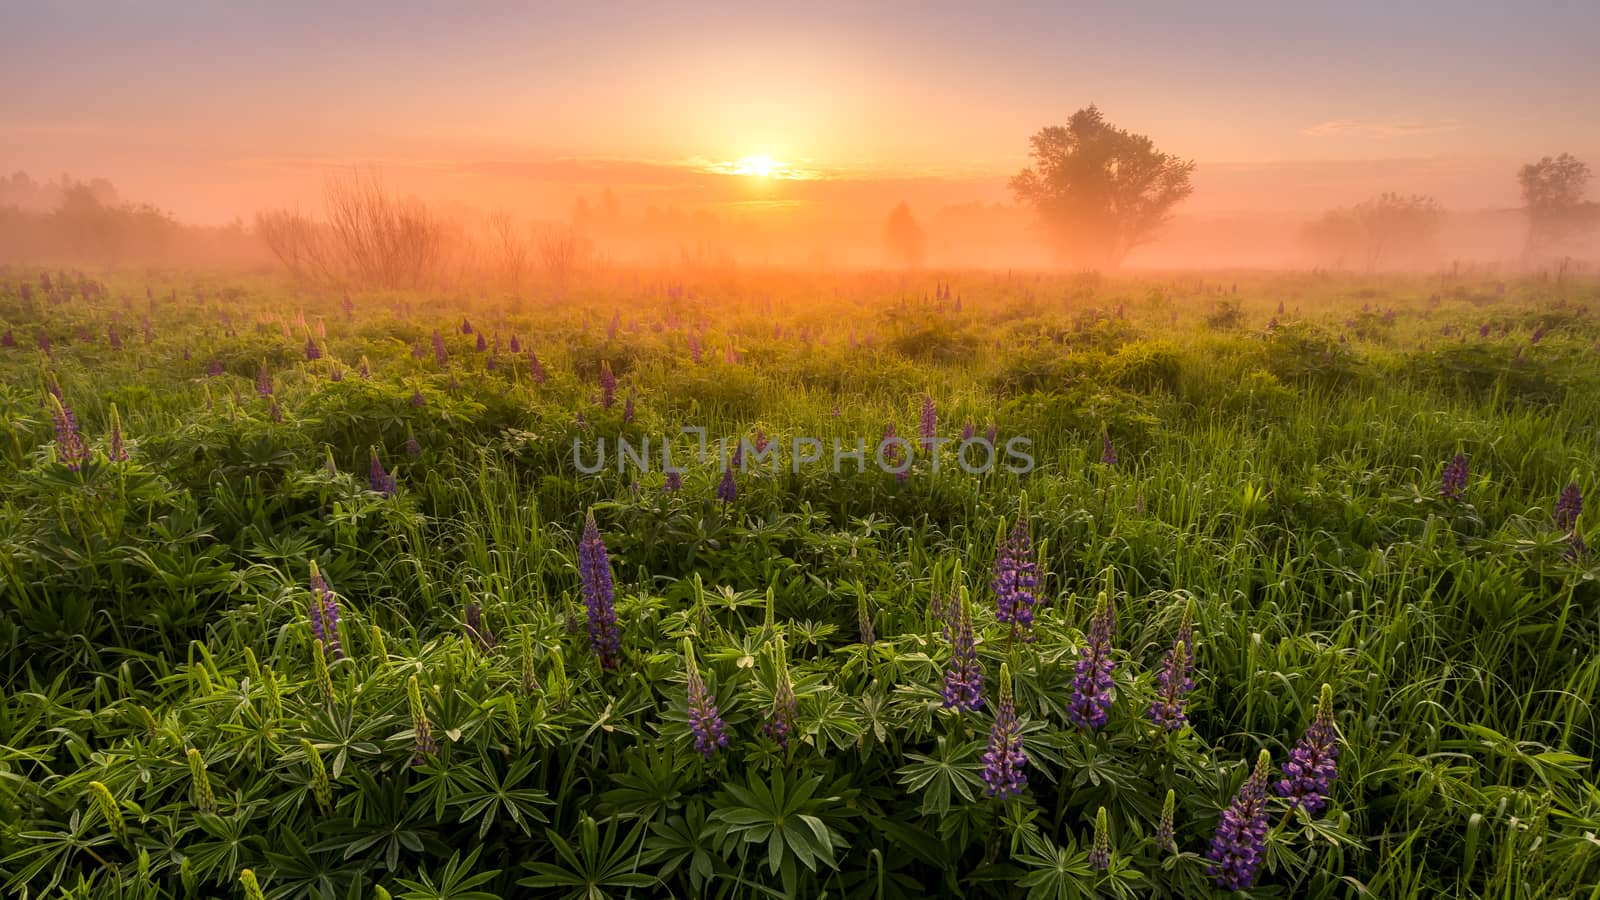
(237, 660)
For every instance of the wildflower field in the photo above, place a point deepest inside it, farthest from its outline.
(307, 594)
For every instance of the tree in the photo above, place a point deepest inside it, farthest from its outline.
(1388, 229)
(1552, 191)
(903, 239)
(1099, 190)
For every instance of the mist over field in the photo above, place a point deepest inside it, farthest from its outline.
(888, 450)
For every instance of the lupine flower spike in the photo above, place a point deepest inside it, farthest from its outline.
(727, 488)
(1454, 481)
(785, 712)
(1165, 839)
(263, 381)
(1090, 705)
(1241, 836)
(378, 480)
(1171, 685)
(963, 676)
(109, 810)
(608, 385)
(424, 744)
(1100, 850)
(477, 630)
(1016, 575)
(1314, 762)
(1108, 450)
(323, 609)
(929, 424)
(1003, 763)
(252, 888)
(594, 566)
(71, 451)
(204, 798)
(704, 720)
(1569, 507)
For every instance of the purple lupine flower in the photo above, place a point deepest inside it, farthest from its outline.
(1108, 450)
(479, 632)
(929, 423)
(1538, 335)
(968, 432)
(380, 481)
(466, 327)
(616, 322)
(144, 327)
(44, 343)
(627, 410)
(348, 305)
(1454, 481)
(674, 480)
(1100, 849)
(1569, 507)
(608, 385)
(263, 381)
(704, 719)
(1090, 705)
(1167, 711)
(274, 412)
(213, 368)
(892, 455)
(413, 446)
(727, 488)
(785, 713)
(482, 343)
(1483, 330)
(1577, 550)
(694, 347)
(594, 565)
(418, 400)
(418, 351)
(516, 344)
(323, 611)
(336, 373)
(113, 338)
(1241, 836)
(1003, 763)
(71, 451)
(1314, 762)
(439, 355)
(1016, 574)
(534, 367)
(992, 434)
(8, 339)
(116, 450)
(963, 676)
(313, 352)
(761, 441)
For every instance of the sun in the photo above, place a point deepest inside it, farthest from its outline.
(756, 166)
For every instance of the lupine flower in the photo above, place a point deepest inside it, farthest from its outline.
(109, 809)
(1090, 705)
(1454, 481)
(674, 480)
(694, 347)
(516, 344)
(263, 381)
(1576, 548)
(611, 329)
(963, 675)
(1015, 576)
(929, 423)
(864, 620)
(479, 632)
(321, 788)
(417, 399)
(482, 344)
(1003, 763)
(727, 488)
(1100, 850)
(348, 304)
(608, 385)
(992, 434)
(1538, 335)
(204, 798)
(313, 353)
(1483, 330)
(1241, 836)
(418, 351)
(336, 373)
(1171, 686)
(329, 466)
(1108, 450)
(365, 369)
(44, 343)
(761, 441)
(892, 455)
(627, 409)
(413, 446)
(8, 339)
(380, 481)
(466, 327)
(1314, 762)
(1165, 839)
(439, 356)
(1569, 507)
(113, 338)
(70, 448)
(424, 745)
(704, 719)
(273, 412)
(968, 432)
(323, 611)
(116, 450)
(535, 368)
(594, 565)
(785, 712)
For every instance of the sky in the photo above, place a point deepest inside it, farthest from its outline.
(214, 110)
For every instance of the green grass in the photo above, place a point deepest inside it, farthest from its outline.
(1278, 477)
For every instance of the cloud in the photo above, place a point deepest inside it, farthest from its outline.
(1379, 129)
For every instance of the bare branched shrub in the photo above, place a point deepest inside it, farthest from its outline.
(509, 247)
(562, 251)
(380, 239)
(299, 243)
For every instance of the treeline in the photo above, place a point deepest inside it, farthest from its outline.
(67, 221)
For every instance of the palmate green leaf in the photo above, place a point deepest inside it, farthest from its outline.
(491, 794)
(454, 882)
(952, 769)
(595, 864)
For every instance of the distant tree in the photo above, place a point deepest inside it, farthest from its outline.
(1552, 191)
(1389, 229)
(903, 239)
(1098, 189)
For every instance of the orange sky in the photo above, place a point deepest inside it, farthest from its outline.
(213, 111)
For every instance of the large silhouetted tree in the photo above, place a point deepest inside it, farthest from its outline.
(1552, 190)
(1099, 190)
(903, 239)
